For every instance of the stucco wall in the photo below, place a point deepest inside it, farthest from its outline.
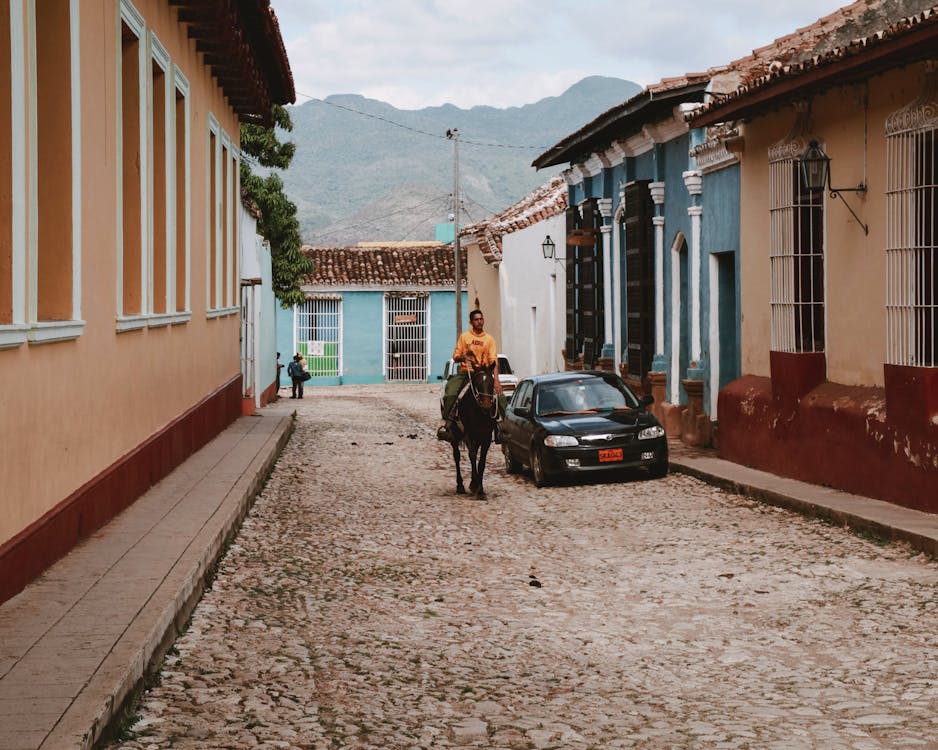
(855, 263)
(482, 285)
(71, 409)
(843, 417)
(533, 299)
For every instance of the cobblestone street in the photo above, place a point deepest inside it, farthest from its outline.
(366, 605)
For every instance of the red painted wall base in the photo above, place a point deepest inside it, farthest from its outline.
(839, 436)
(269, 394)
(91, 506)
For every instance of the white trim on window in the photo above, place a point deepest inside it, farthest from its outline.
(14, 333)
(222, 312)
(160, 57)
(129, 15)
(75, 31)
(234, 202)
(47, 331)
(221, 234)
(225, 298)
(212, 228)
(181, 84)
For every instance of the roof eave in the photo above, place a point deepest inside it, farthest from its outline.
(571, 148)
(917, 45)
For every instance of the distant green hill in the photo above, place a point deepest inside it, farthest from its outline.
(361, 178)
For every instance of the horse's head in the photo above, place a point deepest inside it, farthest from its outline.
(483, 385)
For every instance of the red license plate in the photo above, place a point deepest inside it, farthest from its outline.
(610, 454)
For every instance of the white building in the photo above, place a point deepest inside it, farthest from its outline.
(521, 292)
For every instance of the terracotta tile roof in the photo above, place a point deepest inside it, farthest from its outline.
(676, 82)
(546, 201)
(413, 266)
(844, 38)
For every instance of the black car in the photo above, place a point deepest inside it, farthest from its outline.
(575, 423)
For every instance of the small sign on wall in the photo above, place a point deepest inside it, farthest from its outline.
(316, 348)
(405, 318)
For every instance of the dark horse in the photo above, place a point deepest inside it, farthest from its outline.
(476, 410)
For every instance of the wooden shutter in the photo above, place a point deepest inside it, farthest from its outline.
(639, 277)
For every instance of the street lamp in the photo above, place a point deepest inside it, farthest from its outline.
(815, 167)
(816, 175)
(547, 247)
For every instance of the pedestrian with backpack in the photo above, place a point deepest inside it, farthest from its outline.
(297, 376)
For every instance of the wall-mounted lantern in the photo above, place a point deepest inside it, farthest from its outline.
(548, 247)
(816, 175)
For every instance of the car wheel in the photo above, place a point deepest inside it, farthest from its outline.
(658, 469)
(511, 465)
(537, 468)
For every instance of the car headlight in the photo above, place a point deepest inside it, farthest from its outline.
(560, 441)
(654, 431)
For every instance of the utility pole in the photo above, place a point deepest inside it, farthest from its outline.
(453, 135)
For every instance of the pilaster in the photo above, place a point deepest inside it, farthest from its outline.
(657, 195)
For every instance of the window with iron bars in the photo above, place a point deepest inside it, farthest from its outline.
(796, 252)
(406, 336)
(911, 233)
(318, 326)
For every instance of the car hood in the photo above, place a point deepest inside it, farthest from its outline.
(609, 421)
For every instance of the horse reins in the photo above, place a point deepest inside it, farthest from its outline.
(476, 394)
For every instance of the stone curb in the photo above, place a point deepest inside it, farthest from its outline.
(138, 654)
(924, 539)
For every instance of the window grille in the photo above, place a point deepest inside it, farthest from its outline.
(319, 335)
(796, 252)
(406, 337)
(911, 232)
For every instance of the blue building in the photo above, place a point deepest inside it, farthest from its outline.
(652, 285)
(375, 313)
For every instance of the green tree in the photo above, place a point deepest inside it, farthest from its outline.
(277, 222)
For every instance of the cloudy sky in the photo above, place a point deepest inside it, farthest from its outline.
(420, 53)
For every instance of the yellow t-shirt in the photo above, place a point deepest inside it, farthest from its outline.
(482, 345)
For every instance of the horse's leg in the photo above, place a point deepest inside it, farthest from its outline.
(460, 488)
(474, 460)
(483, 452)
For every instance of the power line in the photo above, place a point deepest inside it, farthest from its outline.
(424, 220)
(439, 204)
(417, 130)
(402, 210)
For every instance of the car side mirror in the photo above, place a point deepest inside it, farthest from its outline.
(646, 401)
(522, 411)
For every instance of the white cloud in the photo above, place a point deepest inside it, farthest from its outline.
(418, 53)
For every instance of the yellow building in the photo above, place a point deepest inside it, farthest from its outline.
(837, 128)
(119, 198)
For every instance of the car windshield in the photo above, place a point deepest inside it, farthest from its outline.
(586, 395)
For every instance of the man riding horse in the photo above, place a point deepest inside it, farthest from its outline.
(474, 348)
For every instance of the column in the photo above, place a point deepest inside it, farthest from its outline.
(605, 209)
(674, 380)
(657, 195)
(694, 181)
(617, 284)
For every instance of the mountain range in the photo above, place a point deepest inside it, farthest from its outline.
(366, 171)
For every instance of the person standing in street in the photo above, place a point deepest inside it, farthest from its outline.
(474, 348)
(297, 376)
